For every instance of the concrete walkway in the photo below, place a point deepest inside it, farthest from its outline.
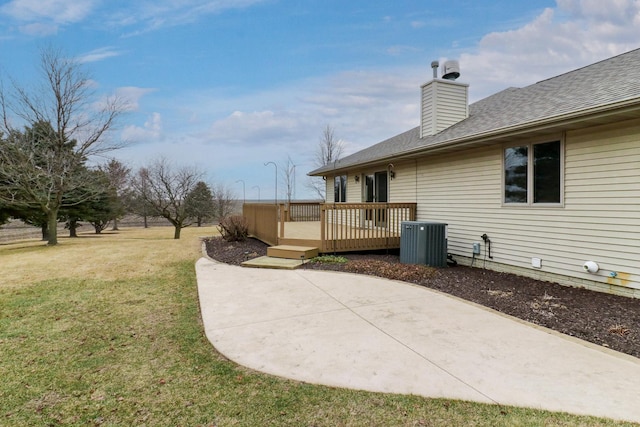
(366, 333)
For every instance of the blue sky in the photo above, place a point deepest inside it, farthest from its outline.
(227, 85)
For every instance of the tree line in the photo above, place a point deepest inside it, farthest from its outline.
(100, 195)
(49, 139)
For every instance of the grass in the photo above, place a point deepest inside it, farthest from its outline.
(105, 330)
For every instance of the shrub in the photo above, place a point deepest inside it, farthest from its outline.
(334, 259)
(233, 228)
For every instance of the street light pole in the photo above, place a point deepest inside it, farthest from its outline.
(258, 187)
(244, 195)
(276, 166)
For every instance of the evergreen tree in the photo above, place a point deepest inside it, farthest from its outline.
(199, 203)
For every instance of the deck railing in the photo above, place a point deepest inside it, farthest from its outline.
(301, 211)
(262, 220)
(343, 226)
(363, 226)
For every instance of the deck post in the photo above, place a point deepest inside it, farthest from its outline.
(281, 234)
(323, 222)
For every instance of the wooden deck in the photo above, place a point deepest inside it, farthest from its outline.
(300, 234)
(340, 227)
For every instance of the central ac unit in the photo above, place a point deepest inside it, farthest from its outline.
(423, 243)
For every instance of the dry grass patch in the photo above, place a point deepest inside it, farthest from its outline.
(108, 256)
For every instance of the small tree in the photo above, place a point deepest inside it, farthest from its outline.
(136, 195)
(289, 178)
(223, 200)
(165, 190)
(118, 175)
(88, 209)
(329, 150)
(199, 203)
(98, 211)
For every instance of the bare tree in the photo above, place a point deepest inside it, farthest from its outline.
(165, 189)
(50, 132)
(288, 171)
(224, 201)
(329, 150)
(137, 194)
(317, 186)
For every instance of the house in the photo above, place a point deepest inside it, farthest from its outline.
(549, 174)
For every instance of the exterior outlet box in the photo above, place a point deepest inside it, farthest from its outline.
(536, 262)
(476, 248)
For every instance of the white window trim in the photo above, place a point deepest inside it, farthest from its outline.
(530, 184)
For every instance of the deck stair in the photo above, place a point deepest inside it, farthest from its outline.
(292, 252)
(286, 257)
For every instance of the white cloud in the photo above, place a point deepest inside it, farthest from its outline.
(236, 135)
(152, 15)
(362, 106)
(619, 12)
(255, 127)
(151, 131)
(98, 54)
(131, 95)
(574, 34)
(39, 29)
(58, 11)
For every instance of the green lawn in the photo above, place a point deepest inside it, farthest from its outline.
(105, 330)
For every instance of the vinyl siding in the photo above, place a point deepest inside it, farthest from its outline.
(329, 192)
(354, 189)
(444, 103)
(602, 184)
(403, 187)
(462, 190)
(600, 220)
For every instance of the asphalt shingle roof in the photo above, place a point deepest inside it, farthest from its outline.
(602, 84)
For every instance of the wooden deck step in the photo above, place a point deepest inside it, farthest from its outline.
(292, 252)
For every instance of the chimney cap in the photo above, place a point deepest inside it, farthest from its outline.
(451, 70)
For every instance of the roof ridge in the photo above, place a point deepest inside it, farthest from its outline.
(587, 66)
(517, 109)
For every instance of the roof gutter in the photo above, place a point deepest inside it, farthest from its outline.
(620, 107)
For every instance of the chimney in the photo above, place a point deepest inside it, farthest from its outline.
(445, 102)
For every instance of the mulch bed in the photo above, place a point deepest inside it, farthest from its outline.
(607, 320)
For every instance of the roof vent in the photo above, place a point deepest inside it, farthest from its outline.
(451, 70)
(434, 67)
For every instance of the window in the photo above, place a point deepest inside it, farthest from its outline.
(340, 189)
(533, 174)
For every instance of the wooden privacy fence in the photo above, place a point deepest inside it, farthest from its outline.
(262, 220)
(363, 226)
